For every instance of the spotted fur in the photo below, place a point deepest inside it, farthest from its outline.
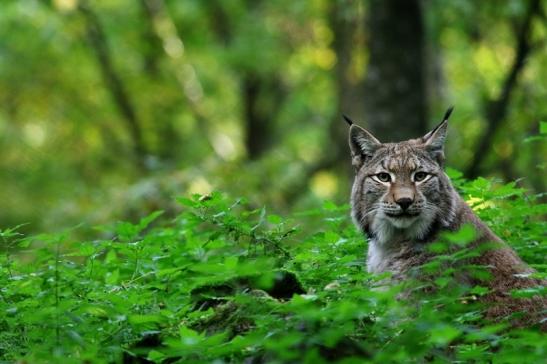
(401, 211)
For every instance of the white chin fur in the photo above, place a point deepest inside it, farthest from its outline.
(402, 222)
(389, 230)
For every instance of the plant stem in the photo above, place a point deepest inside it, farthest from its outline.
(57, 328)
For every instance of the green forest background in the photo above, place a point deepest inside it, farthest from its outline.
(174, 177)
(109, 109)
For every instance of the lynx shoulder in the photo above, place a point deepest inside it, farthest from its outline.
(402, 200)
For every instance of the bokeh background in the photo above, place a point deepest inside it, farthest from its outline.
(110, 109)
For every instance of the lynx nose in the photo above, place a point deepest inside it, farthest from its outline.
(404, 202)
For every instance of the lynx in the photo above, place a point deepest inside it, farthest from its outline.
(402, 200)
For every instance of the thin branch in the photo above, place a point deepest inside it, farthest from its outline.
(165, 31)
(497, 109)
(153, 44)
(57, 299)
(97, 40)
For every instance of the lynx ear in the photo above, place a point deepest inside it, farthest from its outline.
(362, 143)
(434, 140)
(436, 137)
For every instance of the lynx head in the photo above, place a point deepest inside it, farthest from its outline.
(400, 190)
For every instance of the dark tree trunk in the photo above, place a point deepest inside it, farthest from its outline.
(152, 44)
(256, 126)
(262, 97)
(344, 18)
(262, 93)
(395, 88)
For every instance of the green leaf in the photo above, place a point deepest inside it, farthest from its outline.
(443, 334)
(329, 206)
(145, 319)
(453, 173)
(145, 221)
(479, 290)
(231, 262)
(463, 236)
(529, 292)
(156, 356)
(112, 277)
(188, 336)
(274, 219)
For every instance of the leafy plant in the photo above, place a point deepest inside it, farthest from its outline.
(223, 282)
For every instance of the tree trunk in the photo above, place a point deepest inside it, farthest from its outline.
(395, 87)
(152, 43)
(344, 18)
(98, 42)
(496, 110)
(262, 93)
(256, 127)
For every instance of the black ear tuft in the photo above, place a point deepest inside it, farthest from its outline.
(434, 140)
(436, 136)
(448, 112)
(347, 119)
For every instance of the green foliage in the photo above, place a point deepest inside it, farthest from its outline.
(511, 212)
(223, 282)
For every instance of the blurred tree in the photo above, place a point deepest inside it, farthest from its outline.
(152, 48)
(395, 90)
(261, 87)
(496, 109)
(98, 42)
(344, 19)
(162, 41)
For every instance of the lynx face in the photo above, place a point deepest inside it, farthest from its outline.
(400, 189)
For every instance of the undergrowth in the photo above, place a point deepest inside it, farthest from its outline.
(225, 283)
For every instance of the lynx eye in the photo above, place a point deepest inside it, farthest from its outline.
(383, 177)
(419, 176)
